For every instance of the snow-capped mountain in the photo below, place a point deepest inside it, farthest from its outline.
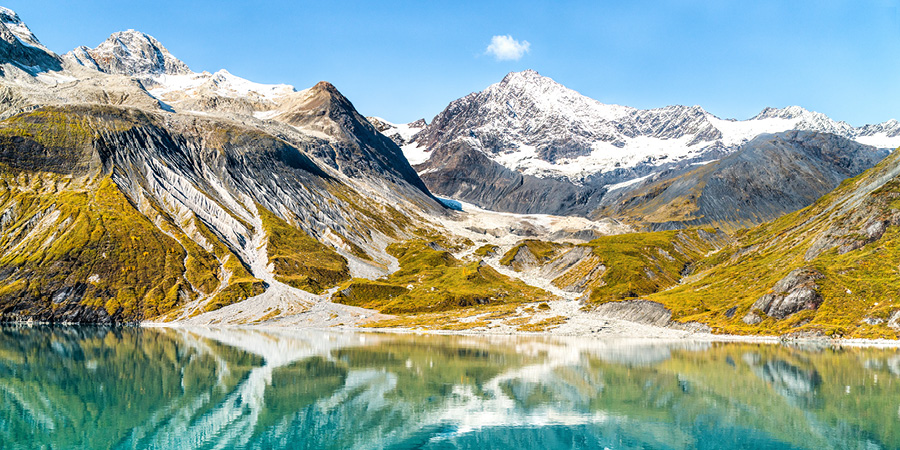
(20, 46)
(531, 124)
(403, 134)
(14, 25)
(129, 53)
(530, 145)
(171, 81)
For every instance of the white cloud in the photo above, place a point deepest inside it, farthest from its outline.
(505, 48)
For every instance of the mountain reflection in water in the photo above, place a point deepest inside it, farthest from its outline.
(83, 387)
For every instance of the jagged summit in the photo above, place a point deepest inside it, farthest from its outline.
(324, 86)
(790, 112)
(804, 119)
(546, 94)
(17, 27)
(361, 148)
(20, 47)
(527, 74)
(130, 53)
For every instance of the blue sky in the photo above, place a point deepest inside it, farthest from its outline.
(403, 60)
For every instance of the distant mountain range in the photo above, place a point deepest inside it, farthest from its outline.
(772, 175)
(528, 144)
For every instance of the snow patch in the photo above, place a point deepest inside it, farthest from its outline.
(623, 184)
(222, 83)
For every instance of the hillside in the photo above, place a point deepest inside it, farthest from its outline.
(121, 204)
(134, 189)
(828, 269)
(771, 175)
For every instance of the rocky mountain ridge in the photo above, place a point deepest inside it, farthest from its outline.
(529, 134)
(532, 124)
(132, 188)
(129, 53)
(769, 176)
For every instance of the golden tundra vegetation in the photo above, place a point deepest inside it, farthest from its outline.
(433, 288)
(75, 247)
(849, 237)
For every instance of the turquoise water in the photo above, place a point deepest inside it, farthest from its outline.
(73, 388)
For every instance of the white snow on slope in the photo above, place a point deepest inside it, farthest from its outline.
(531, 124)
(880, 140)
(623, 184)
(222, 83)
(11, 20)
(736, 132)
(414, 153)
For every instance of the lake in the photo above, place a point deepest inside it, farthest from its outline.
(97, 388)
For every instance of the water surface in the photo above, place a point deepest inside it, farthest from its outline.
(94, 388)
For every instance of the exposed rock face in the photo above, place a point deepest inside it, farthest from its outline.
(164, 180)
(129, 53)
(792, 294)
(864, 225)
(766, 178)
(459, 171)
(645, 311)
(807, 120)
(889, 129)
(528, 120)
(379, 124)
(402, 134)
(641, 311)
(361, 148)
(894, 320)
(15, 26)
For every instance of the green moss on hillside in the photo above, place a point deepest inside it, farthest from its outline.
(542, 251)
(92, 250)
(639, 264)
(860, 272)
(430, 279)
(486, 250)
(300, 260)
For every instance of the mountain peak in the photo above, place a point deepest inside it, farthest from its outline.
(790, 112)
(528, 77)
(19, 46)
(325, 87)
(527, 74)
(17, 27)
(130, 52)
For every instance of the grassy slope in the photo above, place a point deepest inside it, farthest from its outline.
(654, 204)
(430, 279)
(100, 249)
(300, 260)
(643, 263)
(542, 251)
(858, 283)
(98, 244)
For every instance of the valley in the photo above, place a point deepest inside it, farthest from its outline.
(136, 191)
